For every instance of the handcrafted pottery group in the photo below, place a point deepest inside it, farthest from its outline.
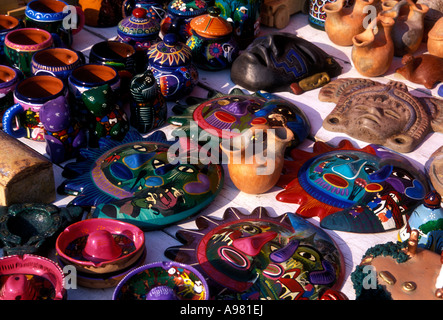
(257, 172)
(29, 96)
(302, 260)
(148, 106)
(29, 228)
(100, 246)
(167, 280)
(245, 17)
(9, 78)
(364, 190)
(63, 135)
(7, 24)
(424, 69)
(50, 15)
(212, 44)
(133, 181)
(30, 277)
(171, 63)
(283, 62)
(141, 29)
(57, 62)
(21, 44)
(408, 30)
(179, 15)
(385, 114)
(435, 39)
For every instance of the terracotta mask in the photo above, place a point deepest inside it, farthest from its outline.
(357, 190)
(256, 256)
(133, 181)
(381, 114)
(283, 62)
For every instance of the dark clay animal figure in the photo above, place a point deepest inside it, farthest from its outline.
(425, 69)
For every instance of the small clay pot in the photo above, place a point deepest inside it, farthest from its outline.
(57, 62)
(424, 69)
(435, 39)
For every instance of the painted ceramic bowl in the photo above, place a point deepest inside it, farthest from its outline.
(211, 42)
(57, 62)
(178, 17)
(30, 277)
(9, 78)
(141, 29)
(100, 245)
(171, 63)
(7, 24)
(167, 280)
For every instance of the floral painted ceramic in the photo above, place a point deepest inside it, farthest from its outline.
(100, 246)
(171, 63)
(256, 256)
(133, 181)
(30, 277)
(212, 44)
(364, 190)
(167, 280)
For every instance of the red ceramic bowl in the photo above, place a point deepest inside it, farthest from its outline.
(100, 245)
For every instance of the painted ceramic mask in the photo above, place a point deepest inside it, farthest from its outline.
(382, 114)
(226, 116)
(283, 62)
(133, 181)
(257, 256)
(358, 190)
(167, 280)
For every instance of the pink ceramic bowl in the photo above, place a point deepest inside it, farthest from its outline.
(100, 245)
(22, 276)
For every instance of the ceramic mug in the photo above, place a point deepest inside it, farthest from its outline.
(9, 78)
(85, 77)
(56, 17)
(7, 24)
(21, 44)
(57, 62)
(23, 118)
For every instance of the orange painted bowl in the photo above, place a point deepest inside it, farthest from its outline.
(99, 246)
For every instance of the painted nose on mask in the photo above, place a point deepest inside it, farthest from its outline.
(349, 170)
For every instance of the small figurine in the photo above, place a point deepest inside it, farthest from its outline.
(63, 137)
(110, 119)
(425, 69)
(385, 114)
(283, 62)
(148, 106)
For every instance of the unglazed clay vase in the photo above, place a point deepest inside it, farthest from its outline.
(407, 33)
(373, 49)
(435, 39)
(425, 69)
(256, 172)
(344, 22)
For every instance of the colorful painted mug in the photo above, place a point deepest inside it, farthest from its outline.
(57, 62)
(21, 44)
(9, 78)
(23, 118)
(7, 24)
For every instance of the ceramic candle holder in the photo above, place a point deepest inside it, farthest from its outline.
(21, 44)
(56, 17)
(9, 78)
(30, 277)
(57, 62)
(100, 246)
(29, 95)
(7, 24)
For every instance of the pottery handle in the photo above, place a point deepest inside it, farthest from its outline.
(9, 123)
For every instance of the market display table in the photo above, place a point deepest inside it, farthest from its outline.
(352, 245)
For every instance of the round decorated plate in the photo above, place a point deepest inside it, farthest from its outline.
(134, 181)
(257, 256)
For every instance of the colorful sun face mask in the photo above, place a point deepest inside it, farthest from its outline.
(134, 181)
(257, 256)
(358, 190)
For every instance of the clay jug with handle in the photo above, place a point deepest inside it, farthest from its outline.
(343, 22)
(408, 30)
(256, 157)
(373, 50)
